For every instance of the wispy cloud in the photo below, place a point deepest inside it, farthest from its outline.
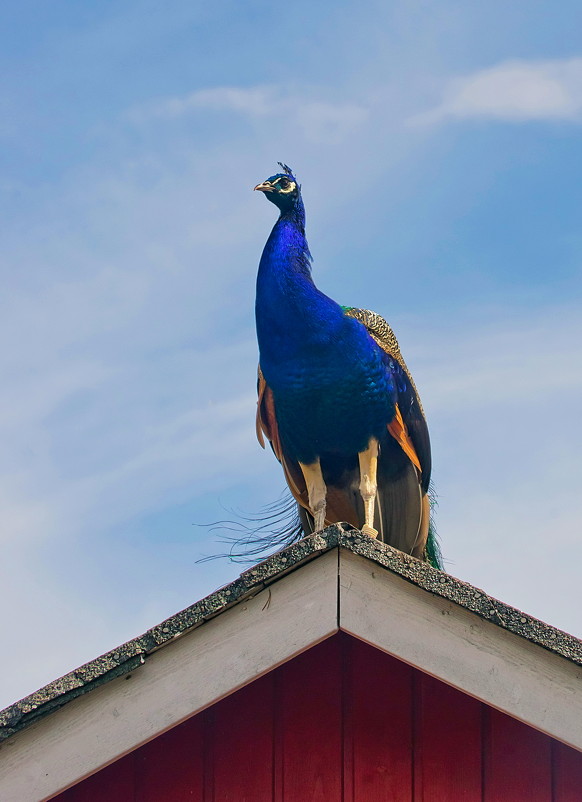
(500, 364)
(318, 120)
(502, 407)
(128, 388)
(515, 91)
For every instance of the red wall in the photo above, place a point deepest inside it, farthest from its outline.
(343, 722)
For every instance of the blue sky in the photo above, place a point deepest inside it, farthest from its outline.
(438, 147)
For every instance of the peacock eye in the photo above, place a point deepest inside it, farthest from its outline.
(284, 183)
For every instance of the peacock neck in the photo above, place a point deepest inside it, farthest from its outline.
(285, 265)
(292, 314)
(295, 215)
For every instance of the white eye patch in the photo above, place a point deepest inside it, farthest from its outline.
(292, 186)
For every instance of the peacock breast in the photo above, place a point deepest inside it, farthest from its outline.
(332, 400)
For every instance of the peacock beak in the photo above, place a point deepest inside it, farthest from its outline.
(265, 187)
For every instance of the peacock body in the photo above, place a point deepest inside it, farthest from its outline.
(336, 399)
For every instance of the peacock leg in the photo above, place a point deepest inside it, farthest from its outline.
(316, 491)
(368, 487)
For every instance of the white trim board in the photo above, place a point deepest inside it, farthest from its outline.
(254, 636)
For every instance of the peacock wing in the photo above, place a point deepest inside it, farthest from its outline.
(403, 512)
(409, 427)
(266, 426)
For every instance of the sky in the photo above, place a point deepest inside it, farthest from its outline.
(438, 146)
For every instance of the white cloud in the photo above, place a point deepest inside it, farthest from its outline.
(515, 91)
(255, 101)
(318, 120)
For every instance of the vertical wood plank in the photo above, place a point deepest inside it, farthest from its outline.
(447, 748)
(208, 754)
(114, 783)
(567, 773)
(310, 725)
(170, 767)
(278, 742)
(517, 761)
(347, 643)
(243, 744)
(381, 725)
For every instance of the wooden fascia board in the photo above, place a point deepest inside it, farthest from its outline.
(462, 649)
(175, 682)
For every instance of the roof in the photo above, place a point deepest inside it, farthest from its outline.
(130, 655)
(405, 607)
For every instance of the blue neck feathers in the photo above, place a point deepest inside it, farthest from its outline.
(292, 314)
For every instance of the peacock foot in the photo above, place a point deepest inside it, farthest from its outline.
(369, 530)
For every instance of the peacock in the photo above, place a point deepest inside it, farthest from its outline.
(335, 397)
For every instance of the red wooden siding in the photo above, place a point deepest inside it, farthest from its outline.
(378, 725)
(240, 730)
(509, 745)
(447, 743)
(309, 714)
(343, 723)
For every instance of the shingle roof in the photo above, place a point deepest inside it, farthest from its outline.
(127, 657)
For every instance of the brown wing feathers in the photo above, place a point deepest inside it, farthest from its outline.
(267, 424)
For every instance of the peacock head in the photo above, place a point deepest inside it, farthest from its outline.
(282, 189)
